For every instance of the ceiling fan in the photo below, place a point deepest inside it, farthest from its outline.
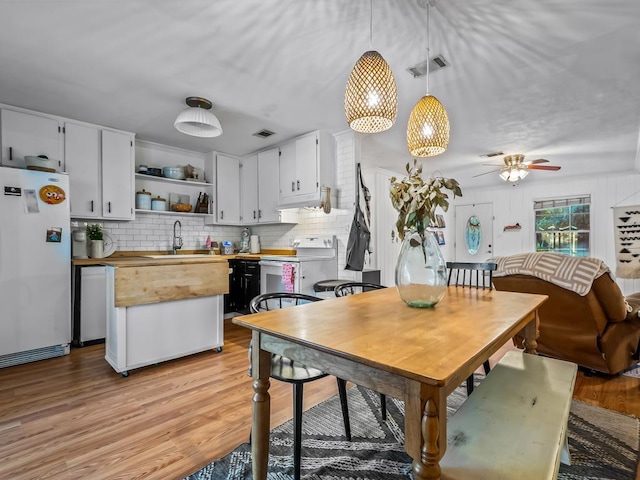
(515, 168)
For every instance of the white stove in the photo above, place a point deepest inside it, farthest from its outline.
(316, 259)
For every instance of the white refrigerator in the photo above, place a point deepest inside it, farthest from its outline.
(35, 266)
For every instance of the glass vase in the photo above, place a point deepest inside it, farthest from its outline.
(421, 271)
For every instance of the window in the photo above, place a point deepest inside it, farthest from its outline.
(563, 225)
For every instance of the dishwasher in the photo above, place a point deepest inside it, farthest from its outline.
(93, 306)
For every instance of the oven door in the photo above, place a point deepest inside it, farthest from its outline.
(271, 277)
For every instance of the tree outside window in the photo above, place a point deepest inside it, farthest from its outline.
(563, 226)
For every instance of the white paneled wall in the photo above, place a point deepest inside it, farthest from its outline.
(515, 205)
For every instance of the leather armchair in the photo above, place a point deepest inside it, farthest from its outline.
(595, 330)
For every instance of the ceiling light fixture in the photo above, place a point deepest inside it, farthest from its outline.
(198, 120)
(371, 98)
(514, 174)
(428, 126)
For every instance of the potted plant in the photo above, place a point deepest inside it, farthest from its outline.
(95, 234)
(421, 268)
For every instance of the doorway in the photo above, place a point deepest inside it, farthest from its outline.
(474, 232)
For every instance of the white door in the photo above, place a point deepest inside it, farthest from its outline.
(474, 232)
(268, 185)
(82, 162)
(387, 243)
(117, 175)
(249, 190)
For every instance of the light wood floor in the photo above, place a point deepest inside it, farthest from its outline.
(74, 418)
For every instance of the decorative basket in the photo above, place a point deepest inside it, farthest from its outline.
(181, 207)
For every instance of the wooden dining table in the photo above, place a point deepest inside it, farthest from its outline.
(373, 339)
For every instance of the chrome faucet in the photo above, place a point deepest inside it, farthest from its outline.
(177, 237)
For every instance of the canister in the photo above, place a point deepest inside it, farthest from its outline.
(158, 203)
(143, 200)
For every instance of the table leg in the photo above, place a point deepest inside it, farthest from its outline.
(425, 429)
(261, 367)
(531, 334)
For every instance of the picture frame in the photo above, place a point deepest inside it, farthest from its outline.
(440, 221)
(439, 236)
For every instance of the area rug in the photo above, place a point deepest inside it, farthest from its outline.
(603, 444)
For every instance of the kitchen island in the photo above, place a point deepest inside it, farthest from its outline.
(159, 309)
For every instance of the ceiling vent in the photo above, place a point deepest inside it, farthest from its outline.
(264, 133)
(436, 63)
(491, 154)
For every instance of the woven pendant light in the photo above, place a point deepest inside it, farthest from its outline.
(371, 98)
(428, 127)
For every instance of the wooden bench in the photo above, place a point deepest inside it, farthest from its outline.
(514, 425)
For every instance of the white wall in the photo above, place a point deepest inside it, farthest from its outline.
(514, 204)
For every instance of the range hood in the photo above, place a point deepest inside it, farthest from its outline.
(312, 201)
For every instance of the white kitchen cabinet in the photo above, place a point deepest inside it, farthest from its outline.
(287, 171)
(100, 167)
(228, 190)
(268, 186)
(24, 134)
(117, 175)
(82, 161)
(306, 165)
(249, 190)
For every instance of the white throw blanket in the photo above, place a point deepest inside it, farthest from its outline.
(572, 273)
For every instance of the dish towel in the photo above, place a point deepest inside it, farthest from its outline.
(288, 277)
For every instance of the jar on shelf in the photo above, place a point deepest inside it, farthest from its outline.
(143, 200)
(158, 203)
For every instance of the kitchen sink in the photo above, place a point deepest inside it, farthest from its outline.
(179, 255)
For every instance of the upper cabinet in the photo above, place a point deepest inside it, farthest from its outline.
(307, 163)
(228, 183)
(268, 188)
(100, 167)
(26, 134)
(250, 209)
(82, 160)
(117, 175)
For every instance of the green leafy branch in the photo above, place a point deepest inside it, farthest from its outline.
(416, 200)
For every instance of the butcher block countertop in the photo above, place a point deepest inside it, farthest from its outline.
(140, 280)
(138, 258)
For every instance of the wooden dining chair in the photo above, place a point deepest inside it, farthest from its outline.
(470, 275)
(286, 370)
(350, 288)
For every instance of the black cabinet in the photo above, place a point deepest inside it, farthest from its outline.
(244, 284)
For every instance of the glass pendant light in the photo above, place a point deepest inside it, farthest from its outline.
(371, 98)
(428, 127)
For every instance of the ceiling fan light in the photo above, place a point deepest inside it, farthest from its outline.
(504, 175)
(371, 98)
(428, 128)
(198, 122)
(523, 173)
